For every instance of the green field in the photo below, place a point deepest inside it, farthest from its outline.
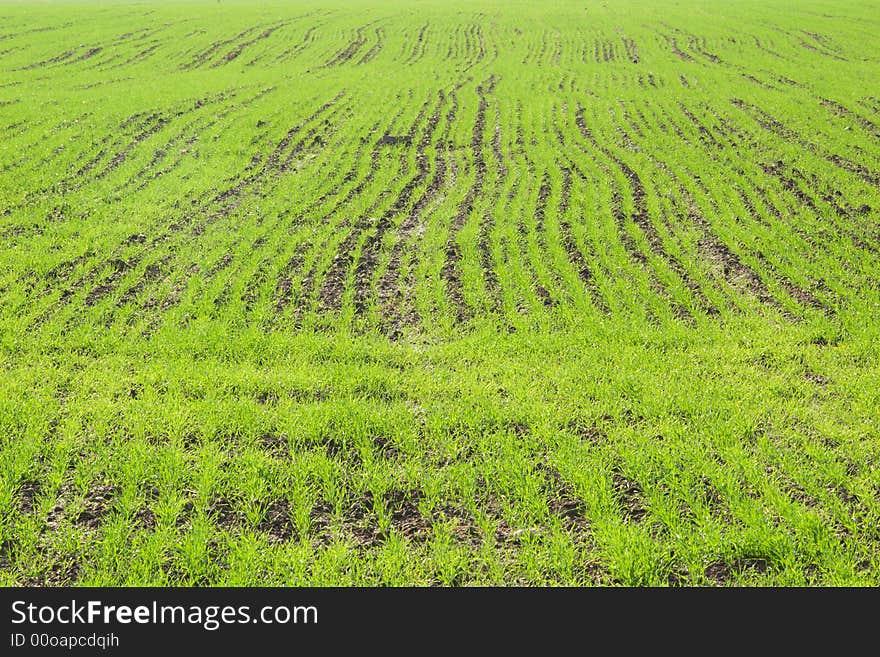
(440, 293)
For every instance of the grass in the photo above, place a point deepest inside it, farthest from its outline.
(442, 295)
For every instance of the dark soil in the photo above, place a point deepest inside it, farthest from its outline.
(632, 50)
(29, 491)
(722, 572)
(376, 49)
(349, 51)
(630, 496)
(418, 50)
(450, 271)
(278, 522)
(235, 52)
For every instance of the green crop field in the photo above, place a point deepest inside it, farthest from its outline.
(440, 293)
